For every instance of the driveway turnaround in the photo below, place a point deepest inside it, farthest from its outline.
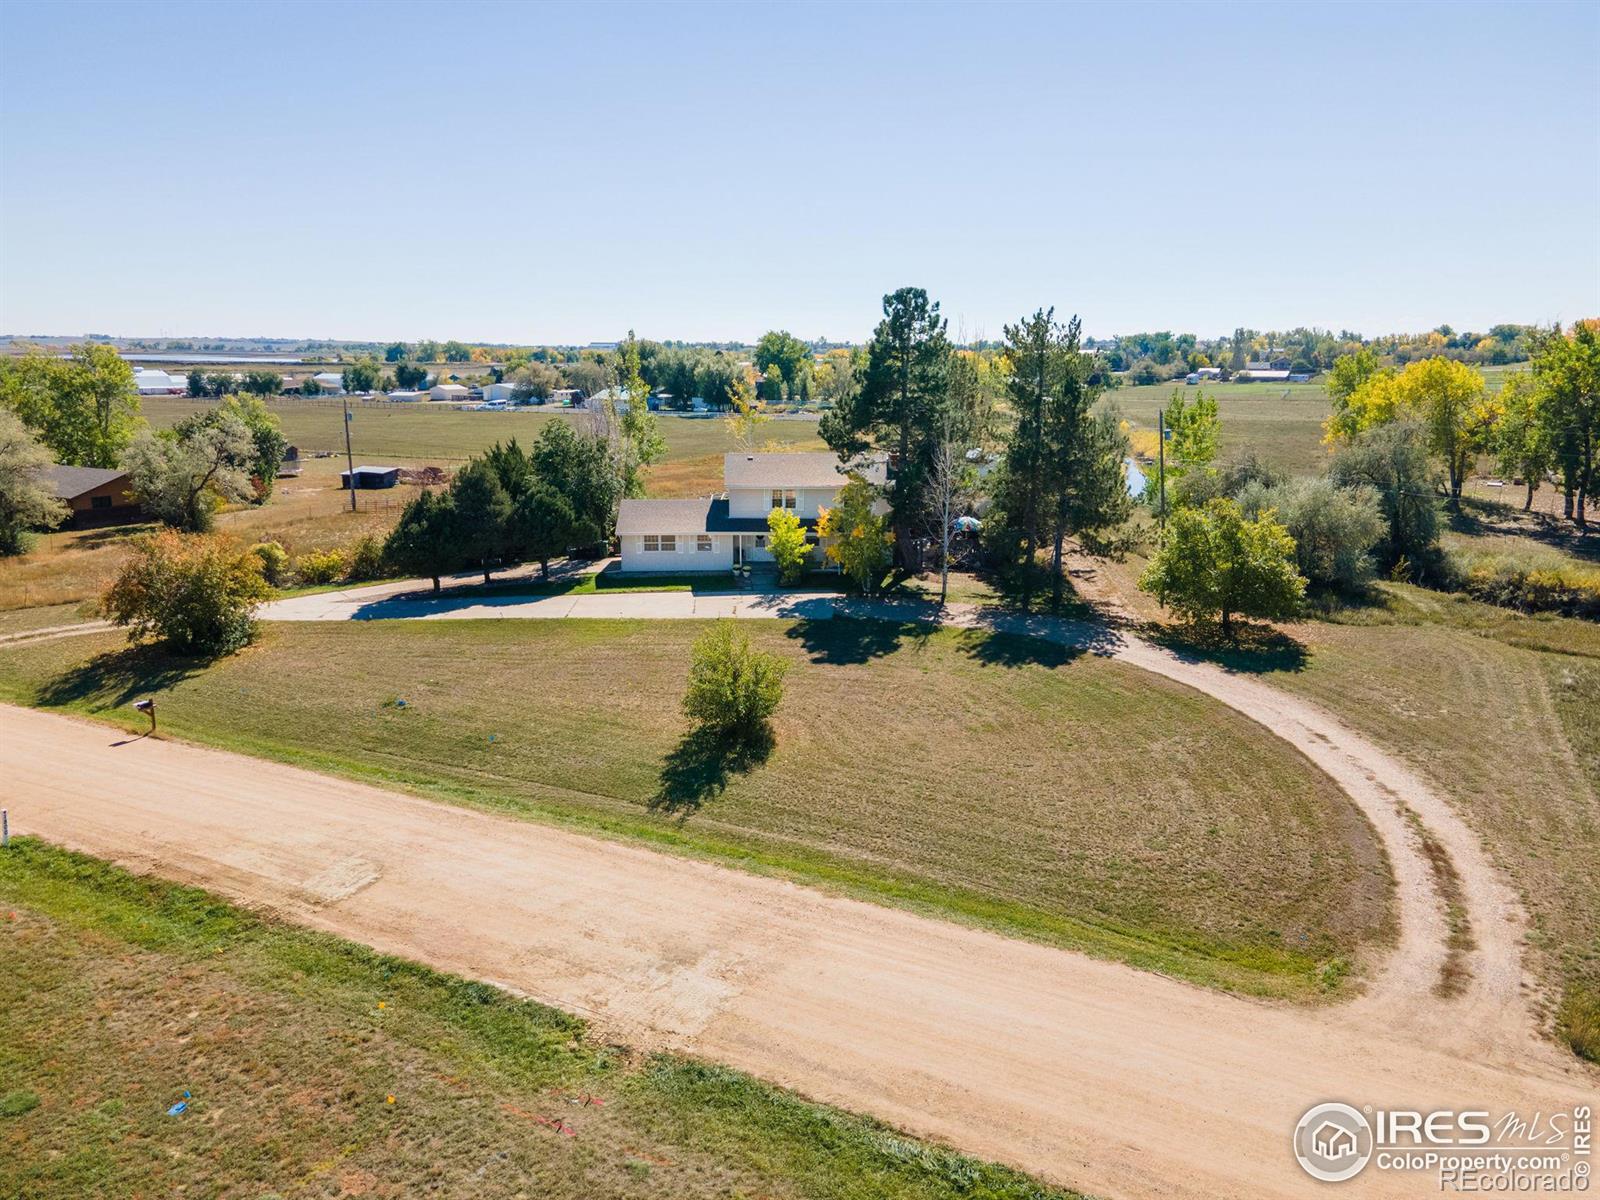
(1089, 1073)
(1492, 1003)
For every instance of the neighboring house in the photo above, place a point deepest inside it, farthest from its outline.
(159, 383)
(371, 477)
(331, 382)
(449, 391)
(721, 532)
(96, 495)
(566, 398)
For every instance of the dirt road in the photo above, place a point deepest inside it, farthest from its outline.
(1091, 1074)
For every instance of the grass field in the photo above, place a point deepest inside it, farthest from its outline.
(996, 780)
(1281, 422)
(121, 995)
(410, 434)
(1501, 712)
(311, 513)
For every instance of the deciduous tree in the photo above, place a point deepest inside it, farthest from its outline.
(786, 539)
(194, 592)
(182, 475)
(27, 502)
(1214, 563)
(856, 537)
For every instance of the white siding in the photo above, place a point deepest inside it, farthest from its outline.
(685, 558)
(757, 502)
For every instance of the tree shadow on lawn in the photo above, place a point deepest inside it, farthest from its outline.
(842, 640)
(1006, 649)
(702, 764)
(118, 677)
(1252, 650)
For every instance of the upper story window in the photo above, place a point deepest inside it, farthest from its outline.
(783, 498)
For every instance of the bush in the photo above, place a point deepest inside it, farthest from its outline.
(319, 567)
(1530, 583)
(1334, 528)
(274, 562)
(733, 688)
(1393, 461)
(366, 560)
(194, 592)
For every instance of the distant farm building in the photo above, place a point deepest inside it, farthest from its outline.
(96, 495)
(499, 391)
(289, 468)
(449, 391)
(406, 396)
(159, 383)
(331, 382)
(371, 478)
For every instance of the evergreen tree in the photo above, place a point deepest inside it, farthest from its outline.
(423, 541)
(482, 514)
(900, 406)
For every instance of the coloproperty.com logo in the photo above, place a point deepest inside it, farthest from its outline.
(1465, 1150)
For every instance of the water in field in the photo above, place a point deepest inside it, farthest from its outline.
(1135, 478)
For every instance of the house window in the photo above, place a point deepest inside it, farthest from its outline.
(99, 501)
(660, 543)
(669, 543)
(783, 498)
(702, 542)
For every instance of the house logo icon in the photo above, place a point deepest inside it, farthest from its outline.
(1333, 1142)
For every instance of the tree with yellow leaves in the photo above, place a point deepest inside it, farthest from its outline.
(1446, 397)
(855, 537)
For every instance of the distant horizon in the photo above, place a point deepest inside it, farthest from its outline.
(1199, 167)
(862, 339)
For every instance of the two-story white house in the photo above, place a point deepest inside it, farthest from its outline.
(719, 533)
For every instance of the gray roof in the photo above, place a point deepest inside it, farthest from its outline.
(796, 469)
(71, 482)
(664, 516)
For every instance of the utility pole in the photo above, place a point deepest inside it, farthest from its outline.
(1161, 469)
(349, 459)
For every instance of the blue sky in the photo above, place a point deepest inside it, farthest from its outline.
(541, 173)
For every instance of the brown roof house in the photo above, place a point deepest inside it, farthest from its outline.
(96, 495)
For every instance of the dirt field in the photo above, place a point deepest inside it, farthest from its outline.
(951, 1032)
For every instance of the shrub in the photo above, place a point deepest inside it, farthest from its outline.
(1393, 461)
(1528, 582)
(194, 592)
(733, 688)
(366, 560)
(1334, 528)
(1579, 1022)
(274, 562)
(319, 567)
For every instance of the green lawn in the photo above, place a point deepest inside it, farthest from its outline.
(1056, 796)
(122, 995)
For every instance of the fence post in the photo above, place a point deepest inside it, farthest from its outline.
(5, 828)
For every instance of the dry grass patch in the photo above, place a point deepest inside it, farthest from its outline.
(1058, 796)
